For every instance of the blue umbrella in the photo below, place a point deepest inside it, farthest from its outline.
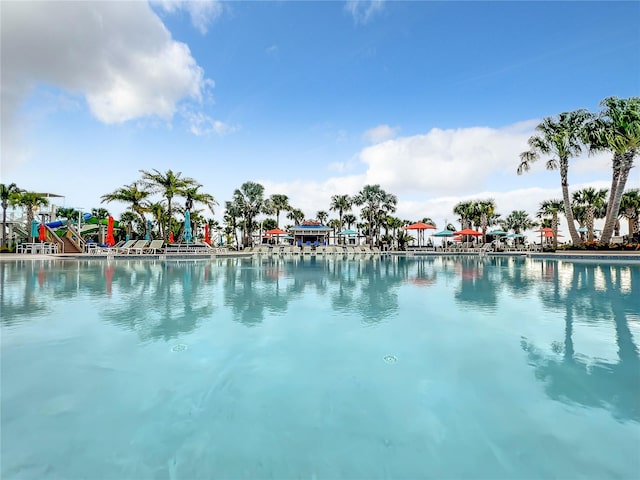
(34, 228)
(444, 233)
(147, 235)
(187, 227)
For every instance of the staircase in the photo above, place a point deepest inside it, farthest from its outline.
(70, 246)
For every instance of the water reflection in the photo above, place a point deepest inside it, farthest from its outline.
(575, 378)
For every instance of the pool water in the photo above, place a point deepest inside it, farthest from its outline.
(320, 367)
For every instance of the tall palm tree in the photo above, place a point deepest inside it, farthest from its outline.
(134, 195)
(249, 199)
(279, 203)
(341, 204)
(591, 199)
(374, 199)
(551, 208)
(192, 194)
(616, 129)
(630, 209)
(159, 214)
(560, 138)
(169, 184)
(6, 193)
(31, 202)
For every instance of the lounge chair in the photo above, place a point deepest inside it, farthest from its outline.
(125, 247)
(138, 247)
(156, 246)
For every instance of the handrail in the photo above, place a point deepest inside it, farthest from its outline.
(76, 238)
(53, 237)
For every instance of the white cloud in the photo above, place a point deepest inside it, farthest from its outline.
(202, 124)
(380, 133)
(117, 55)
(363, 10)
(201, 12)
(444, 161)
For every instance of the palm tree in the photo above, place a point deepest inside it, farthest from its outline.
(231, 215)
(591, 199)
(128, 218)
(322, 216)
(169, 185)
(465, 212)
(159, 214)
(518, 221)
(551, 208)
(630, 208)
(616, 129)
(6, 193)
(486, 209)
(193, 195)
(559, 138)
(428, 221)
(349, 219)
(249, 199)
(374, 199)
(100, 214)
(279, 203)
(341, 204)
(296, 215)
(132, 194)
(30, 201)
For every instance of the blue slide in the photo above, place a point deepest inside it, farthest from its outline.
(60, 223)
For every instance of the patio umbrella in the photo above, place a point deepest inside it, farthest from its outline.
(147, 236)
(443, 233)
(348, 232)
(109, 240)
(497, 233)
(34, 229)
(420, 227)
(187, 227)
(207, 240)
(468, 232)
(275, 232)
(42, 233)
(171, 239)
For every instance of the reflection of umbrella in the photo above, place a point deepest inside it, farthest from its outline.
(583, 230)
(207, 240)
(42, 233)
(109, 240)
(420, 227)
(187, 227)
(34, 228)
(171, 239)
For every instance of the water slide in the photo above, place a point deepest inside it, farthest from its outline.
(60, 223)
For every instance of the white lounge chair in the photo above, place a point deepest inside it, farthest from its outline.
(156, 246)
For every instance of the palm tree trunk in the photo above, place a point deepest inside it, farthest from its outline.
(614, 206)
(568, 212)
(554, 227)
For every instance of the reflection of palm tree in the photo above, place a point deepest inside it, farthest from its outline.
(574, 378)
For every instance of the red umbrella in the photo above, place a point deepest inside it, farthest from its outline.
(421, 227)
(171, 239)
(42, 233)
(109, 240)
(468, 232)
(276, 231)
(207, 240)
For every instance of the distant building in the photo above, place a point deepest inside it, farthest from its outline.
(311, 232)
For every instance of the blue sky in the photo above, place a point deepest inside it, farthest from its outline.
(432, 100)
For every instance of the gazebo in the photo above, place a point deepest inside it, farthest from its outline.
(310, 232)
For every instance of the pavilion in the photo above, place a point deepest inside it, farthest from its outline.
(310, 232)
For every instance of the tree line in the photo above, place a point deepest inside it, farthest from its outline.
(614, 129)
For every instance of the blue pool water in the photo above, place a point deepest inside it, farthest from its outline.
(312, 367)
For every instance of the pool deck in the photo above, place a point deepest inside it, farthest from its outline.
(633, 256)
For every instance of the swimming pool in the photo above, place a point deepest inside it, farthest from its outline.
(318, 367)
